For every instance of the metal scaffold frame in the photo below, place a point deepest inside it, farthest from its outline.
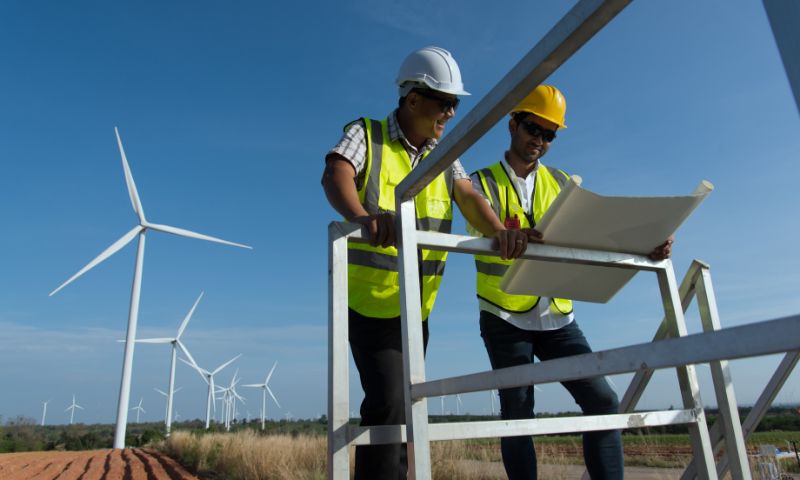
(671, 347)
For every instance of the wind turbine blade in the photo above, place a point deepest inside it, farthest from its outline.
(200, 371)
(186, 352)
(188, 233)
(273, 397)
(132, 192)
(161, 392)
(225, 364)
(188, 316)
(269, 375)
(253, 385)
(177, 390)
(78, 406)
(153, 340)
(124, 240)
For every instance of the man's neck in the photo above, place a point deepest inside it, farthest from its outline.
(520, 167)
(406, 124)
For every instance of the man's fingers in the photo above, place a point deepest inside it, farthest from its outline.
(391, 235)
(502, 239)
(383, 230)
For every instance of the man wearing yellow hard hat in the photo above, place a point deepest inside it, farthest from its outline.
(515, 328)
(361, 172)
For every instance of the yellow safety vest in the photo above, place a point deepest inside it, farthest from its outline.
(502, 195)
(373, 279)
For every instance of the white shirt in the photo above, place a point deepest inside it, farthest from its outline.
(540, 317)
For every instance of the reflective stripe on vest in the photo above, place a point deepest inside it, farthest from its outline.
(503, 197)
(373, 279)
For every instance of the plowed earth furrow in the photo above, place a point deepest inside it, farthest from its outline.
(75, 468)
(115, 466)
(128, 464)
(50, 471)
(151, 465)
(134, 468)
(175, 469)
(96, 466)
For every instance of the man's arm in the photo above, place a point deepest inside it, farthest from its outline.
(339, 183)
(510, 243)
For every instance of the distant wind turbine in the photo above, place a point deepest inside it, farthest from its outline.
(138, 409)
(209, 379)
(44, 410)
(176, 343)
(265, 388)
(458, 404)
(72, 409)
(166, 397)
(133, 312)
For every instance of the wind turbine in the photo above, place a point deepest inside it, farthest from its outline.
(72, 408)
(209, 379)
(458, 404)
(166, 396)
(44, 411)
(138, 409)
(176, 343)
(491, 396)
(265, 388)
(133, 313)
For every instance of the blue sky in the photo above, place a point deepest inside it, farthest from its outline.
(226, 112)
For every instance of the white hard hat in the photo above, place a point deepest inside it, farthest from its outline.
(433, 67)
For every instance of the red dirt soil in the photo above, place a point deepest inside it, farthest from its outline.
(128, 464)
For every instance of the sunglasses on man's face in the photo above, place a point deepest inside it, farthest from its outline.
(444, 103)
(536, 130)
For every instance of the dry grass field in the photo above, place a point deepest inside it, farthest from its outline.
(246, 455)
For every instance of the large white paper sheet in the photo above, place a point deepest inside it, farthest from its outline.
(583, 219)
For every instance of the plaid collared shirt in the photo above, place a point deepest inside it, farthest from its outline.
(353, 147)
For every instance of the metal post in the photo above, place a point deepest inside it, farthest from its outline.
(642, 377)
(130, 341)
(687, 376)
(338, 379)
(723, 385)
(765, 400)
(419, 455)
(171, 390)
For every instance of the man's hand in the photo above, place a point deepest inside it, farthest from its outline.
(381, 229)
(663, 251)
(510, 243)
(534, 236)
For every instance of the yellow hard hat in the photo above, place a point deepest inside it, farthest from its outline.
(545, 101)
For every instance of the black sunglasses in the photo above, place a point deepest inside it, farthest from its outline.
(536, 130)
(444, 103)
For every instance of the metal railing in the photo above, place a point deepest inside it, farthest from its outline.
(671, 348)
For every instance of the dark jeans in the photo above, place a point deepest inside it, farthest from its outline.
(508, 346)
(377, 348)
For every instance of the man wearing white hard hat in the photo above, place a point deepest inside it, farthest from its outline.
(361, 172)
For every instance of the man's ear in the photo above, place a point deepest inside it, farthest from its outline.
(512, 125)
(412, 101)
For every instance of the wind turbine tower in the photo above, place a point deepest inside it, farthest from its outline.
(176, 343)
(72, 408)
(133, 313)
(265, 388)
(44, 410)
(138, 409)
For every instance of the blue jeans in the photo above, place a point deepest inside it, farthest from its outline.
(508, 346)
